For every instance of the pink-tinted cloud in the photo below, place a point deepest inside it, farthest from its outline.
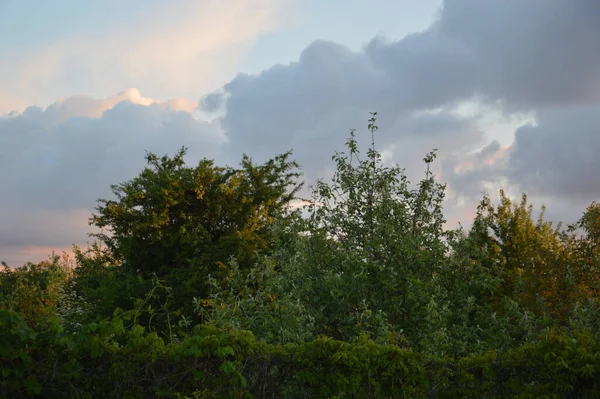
(86, 106)
(57, 161)
(175, 49)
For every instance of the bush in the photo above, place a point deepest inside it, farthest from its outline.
(108, 360)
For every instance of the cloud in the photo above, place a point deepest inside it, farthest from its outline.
(470, 175)
(525, 54)
(57, 161)
(310, 106)
(9, 103)
(559, 155)
(555, 157)
(529, 54)
(479, 66)
(29, 234)
(521, 55)
(512, 59)
(174, 49)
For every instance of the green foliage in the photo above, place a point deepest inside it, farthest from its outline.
(361, 266)
(173, 219)
(206, 284)
(37, 291)
(258, 301)
(540, 266)
(105, 286)
(107, 360)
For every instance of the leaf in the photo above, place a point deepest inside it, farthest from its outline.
(223, 351)
(227, 367)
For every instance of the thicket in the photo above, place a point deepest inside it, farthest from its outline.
(210, 281)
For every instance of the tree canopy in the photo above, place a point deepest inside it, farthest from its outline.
(174, 217)
(205, 282)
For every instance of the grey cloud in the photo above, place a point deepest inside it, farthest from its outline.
(489, 150)
(409, 138)
(53, 167)
(212, 102)
(538, 55)
(555, 158)
(528, 53)
(519, 55)
(311, 105)
(467, 173)
(559, 156)
(523, 54)
(41, 228)
(70, 164)
(516, 56)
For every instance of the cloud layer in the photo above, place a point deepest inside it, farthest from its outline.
(511, 57)
(508, 91)
(556, 157)
(57, 161)
(177, 48)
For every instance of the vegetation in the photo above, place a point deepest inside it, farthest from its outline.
(206, 283)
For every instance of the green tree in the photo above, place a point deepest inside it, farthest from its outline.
(36, 290)
(586, 250)
(370, 247)
(185, 223)
(538, 263)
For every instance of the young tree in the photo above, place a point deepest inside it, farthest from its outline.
(372, 245)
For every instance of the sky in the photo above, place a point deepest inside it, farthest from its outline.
(507, 91)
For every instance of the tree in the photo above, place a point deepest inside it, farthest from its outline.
(370, 247)
(587, 251)
(538, 263)
(36, 290)
(176, 220)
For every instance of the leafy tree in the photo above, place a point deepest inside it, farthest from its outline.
(186, 222)
(364, 294)
(103, 285)
(364, 258)
(539, 263)
(36, 290)
(587, 246)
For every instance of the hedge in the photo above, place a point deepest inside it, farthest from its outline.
(108, 359)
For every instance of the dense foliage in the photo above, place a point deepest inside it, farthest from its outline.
(209, 281)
